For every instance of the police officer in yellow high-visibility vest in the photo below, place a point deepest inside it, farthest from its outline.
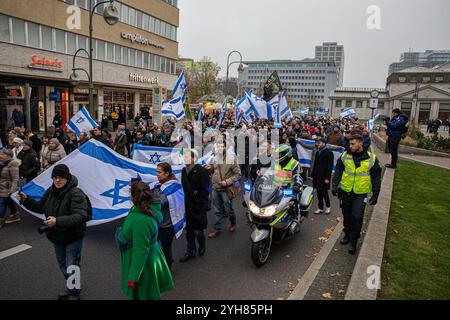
(358, 172)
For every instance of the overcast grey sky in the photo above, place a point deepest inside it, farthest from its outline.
(290, 29)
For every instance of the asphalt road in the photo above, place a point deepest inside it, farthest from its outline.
(225, 272)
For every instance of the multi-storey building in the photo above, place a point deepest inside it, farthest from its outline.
(331, 51)
(134, 61)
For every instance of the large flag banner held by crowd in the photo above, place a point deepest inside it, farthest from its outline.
(105, 177)
(175, 107)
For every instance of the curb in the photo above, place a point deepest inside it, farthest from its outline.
(308, 277)
(368, 265)
(422, 162)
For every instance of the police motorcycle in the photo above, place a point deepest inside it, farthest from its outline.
(274, 213)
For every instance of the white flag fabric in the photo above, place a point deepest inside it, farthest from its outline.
(285, 111)
(156, 155)
(260, 107)
(347, 112)
(81, 122)
(173, 108)
(179, 90)
(201, 115)
(103, 175)
(244, 106)
(305, 154)
(173, 190)
(223, 112)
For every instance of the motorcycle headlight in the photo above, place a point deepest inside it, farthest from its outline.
(253, 207)
(268, 212)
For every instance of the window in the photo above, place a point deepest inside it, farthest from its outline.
(18, 27)
(132, 57)
(33, 35)
(99, 9)
(110, 52)
(359, 104)
(146, 61)
(152, 62)
(71, 43)
(145, 22)
(81, 3)
(139, 19)
(100, 50)
(118, 54)
(168, 65)
(338, 103)
(82, 45)
(139, 59)
(158, 27)
(47, 38)
(132, 17)
(125, 54)
(124, 14)
(4, 28)
(60, 41)
(172, 67)
(158, 63)
(152, 23)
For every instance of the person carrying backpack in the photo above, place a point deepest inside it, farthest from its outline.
(397, 127)
(66, 209)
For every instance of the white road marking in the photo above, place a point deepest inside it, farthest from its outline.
(13, 251)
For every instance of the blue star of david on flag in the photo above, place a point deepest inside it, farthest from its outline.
(114, 193)
(155, 158)
(80, 120)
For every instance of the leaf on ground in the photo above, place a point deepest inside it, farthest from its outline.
(327, 296)
(329, 231)
(337, 274)
(288, 256)
(280, 298)
(323, 239)
(341, 291)
(395, 231)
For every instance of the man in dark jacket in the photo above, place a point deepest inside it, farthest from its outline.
(31, 165)
(395, 131)
(57, 120)
(65, 208)
(18, 118)
(197, 187)
(321, 174)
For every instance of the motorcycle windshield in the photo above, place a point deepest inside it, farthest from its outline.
(266, 191)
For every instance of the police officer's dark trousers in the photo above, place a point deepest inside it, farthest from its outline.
(353, 207)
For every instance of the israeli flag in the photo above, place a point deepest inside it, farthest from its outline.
(180, 88)
(173, 190)
(260, 107)
(244, 106)
(103, 175)
(201, 115)
(347, 112)
(285, 111)
(238, 115)
(157, 155)
(223, 112)
(305, 154)
(173, 108)
(81, 122)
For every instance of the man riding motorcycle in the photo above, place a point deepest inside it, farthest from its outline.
(288, 171)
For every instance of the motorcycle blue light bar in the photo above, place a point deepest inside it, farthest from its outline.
(247, 186)
(288, 192)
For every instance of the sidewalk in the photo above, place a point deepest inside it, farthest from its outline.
(434, 161)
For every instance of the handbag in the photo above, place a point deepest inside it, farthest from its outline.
(233, 190)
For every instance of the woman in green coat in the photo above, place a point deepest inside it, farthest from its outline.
(145, 273)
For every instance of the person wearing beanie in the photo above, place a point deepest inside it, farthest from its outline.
(321, 174)
(65, 208)
(9, 178)
(31, 164)
(17, 146)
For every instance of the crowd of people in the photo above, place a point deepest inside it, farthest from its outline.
(146, 237)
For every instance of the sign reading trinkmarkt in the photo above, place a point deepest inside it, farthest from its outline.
(140, 39)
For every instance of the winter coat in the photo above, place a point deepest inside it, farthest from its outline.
(197, 187)
(395, 126)
(37, 143)
(120, 145)
(69, 206)
(322, 170)
(44, 162)
(53, 156)
(144, 263)
(30, 166)
(165, 209)
(228, 172)
(9, 176)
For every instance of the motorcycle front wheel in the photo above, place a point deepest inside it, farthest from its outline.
(261, 251)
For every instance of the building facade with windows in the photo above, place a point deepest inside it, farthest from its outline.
(331, 51)
(307, 82)
(134, 61)
(421, 93)
(427, 59)
(359, 100)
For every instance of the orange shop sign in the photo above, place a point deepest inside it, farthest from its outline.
(44, 63)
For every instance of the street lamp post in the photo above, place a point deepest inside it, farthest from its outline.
(111, 16)
(240, 68)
